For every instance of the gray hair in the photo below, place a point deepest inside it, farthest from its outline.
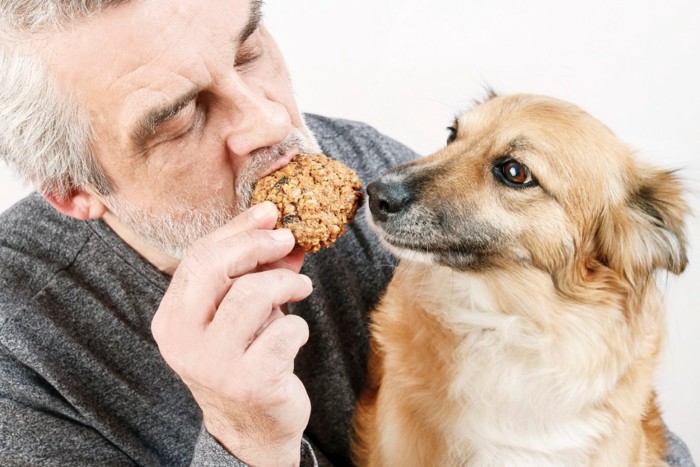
(45, 133)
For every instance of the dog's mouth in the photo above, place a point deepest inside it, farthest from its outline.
(456, 257)
(418, 227)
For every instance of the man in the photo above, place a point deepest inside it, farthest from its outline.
(146, 124)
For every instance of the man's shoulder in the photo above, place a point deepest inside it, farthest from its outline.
(358, 145)
(324, 124)
(36, 242)
(35, 228)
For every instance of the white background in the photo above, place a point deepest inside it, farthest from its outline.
(408, 66)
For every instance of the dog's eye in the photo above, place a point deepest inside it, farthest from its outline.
(452, 135)
(513, 173)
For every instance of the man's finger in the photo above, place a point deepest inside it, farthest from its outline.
(206, 275)
(280, 342)
(250, 301)
(260, 216)
(293, 262)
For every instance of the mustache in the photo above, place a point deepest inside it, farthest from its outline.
(264, 158)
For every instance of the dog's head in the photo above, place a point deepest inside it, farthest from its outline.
(536, 181)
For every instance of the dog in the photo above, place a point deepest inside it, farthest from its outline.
(523, 324)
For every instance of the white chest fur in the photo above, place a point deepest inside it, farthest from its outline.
(507, 372)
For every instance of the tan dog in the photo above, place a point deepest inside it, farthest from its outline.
(523, 325)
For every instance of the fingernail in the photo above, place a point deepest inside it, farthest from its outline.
(282, 235)
(307, 279)
(262, 210)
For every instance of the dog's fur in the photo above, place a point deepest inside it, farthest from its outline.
(523, 324)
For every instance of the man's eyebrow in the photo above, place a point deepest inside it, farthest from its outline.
(253, 21)
(149, 122)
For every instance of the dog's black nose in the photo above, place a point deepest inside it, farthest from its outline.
(387, 198)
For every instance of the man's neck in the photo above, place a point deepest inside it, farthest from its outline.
(162, 261)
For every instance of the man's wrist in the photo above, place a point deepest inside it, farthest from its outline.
(269, 454)
(272, 456)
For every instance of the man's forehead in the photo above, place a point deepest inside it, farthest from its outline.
(144, 53)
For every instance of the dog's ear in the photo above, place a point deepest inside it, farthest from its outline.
(647, 231)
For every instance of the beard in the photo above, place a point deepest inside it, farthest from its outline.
(174, 230)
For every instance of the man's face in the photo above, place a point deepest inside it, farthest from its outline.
(190, 103)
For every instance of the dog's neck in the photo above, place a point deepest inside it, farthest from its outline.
(524, 369)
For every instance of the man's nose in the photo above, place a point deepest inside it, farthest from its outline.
(254, 119)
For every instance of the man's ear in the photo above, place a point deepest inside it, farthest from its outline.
(80, 203)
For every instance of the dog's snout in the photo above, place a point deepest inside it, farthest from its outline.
(387, 198)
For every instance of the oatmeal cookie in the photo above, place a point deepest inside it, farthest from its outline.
(316, 197)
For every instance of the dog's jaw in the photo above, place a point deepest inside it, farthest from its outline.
(433, 251)
(403, 253)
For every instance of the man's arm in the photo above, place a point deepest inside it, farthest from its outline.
(37, 425)
(221, 328)
(209, 453)
(678, 454)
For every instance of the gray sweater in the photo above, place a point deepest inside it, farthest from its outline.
(81, 378)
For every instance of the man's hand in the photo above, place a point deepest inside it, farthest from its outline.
(221, 328)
